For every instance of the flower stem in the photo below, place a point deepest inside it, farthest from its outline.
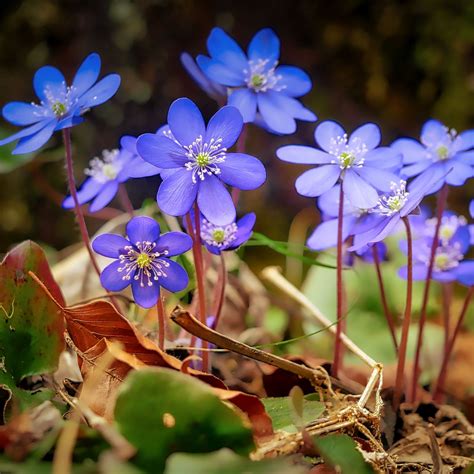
(438, 391)
(442, 199)
(199, 266)
(160, 310)
(399, 382)
(125, 199)
(77, 207)
(446, 294)
(219, 291)
(240, 148)
(339, 284)
(383, 297)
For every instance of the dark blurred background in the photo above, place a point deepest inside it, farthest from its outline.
(395, 63)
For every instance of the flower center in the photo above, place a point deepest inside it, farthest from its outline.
(261, 76)
(218, 236)
(204, 158)
(347, 156)
(447, 257)
(59, 108)
(106, 168)
(58, 102)
(142, 263)
(449, 226)
(443, 152)
(440, 148)
(391, 204)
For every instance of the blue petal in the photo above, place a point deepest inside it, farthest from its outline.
(145, 296)
(27, 132)
(464, 141)
(105, 195)
(304, 155)
(49, 80)
(160, 151)
(101, 92)
(142, 229)
(111, 279)
(175, 243)
(295, 80)
(215, 202)
(328, 202)
(226, 124)
(246, 101)
(185, 121)
(378, 178)
(465, 157)
(290, 106)
(175, 278)
(21, 113)
(369, 134)
(317, 181)
(411, 150)
(109, 245)
(35, 141)
(471, 208)
(139, 168)
(326, 132)
(89, 189)
(69, 121)
(276, 118)
(465, 272)
(420, 271)
(325, 234)
(245, 227)
(384, 158)
(242, 171)
(86, 75)
(432, 132)
(177, 193)
(459, 173)
(225, 49)
(415, 169)
(378, 233)
(359, 192)
(264, 45)
(220, 73)
(129, 143)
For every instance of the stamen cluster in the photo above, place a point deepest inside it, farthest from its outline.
(391, 204)
(261, 78)
(348, 156)
(218, 236)
(106, 168)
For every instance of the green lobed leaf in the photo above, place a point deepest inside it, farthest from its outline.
(340, 451)
(31, 327)
(161, 411)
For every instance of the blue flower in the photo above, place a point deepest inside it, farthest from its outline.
(143, 260)
(450, 155)
(362, 166)
(200, 162)
(254, 81)
(449, 262)
(219, 238)
(106, 174)
(60, 106)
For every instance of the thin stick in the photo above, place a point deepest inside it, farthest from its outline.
(193, 326)
(77, 207)
(273, 275)
(338, 356)
(160, 310)
(198, 264)
(383, 297)
(240, 148)
(439, 387)
(442, 199)
(219, 295)
(125, 199)
(400, 378)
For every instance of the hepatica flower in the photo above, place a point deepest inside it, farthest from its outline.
(255, 81)
(105, 175)
(60, 106)
(356, 161)
(143, 260)
(442, 150)
(201, 163)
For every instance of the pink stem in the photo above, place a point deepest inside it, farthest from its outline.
(219, 292)
(125, 199)
(161, 323)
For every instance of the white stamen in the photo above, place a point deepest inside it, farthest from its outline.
(106, 168)
(347, 156)
(262, 78)
(391, 204)
(218, 236)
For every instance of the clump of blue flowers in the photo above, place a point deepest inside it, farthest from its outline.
(61, 106)
(143, 260)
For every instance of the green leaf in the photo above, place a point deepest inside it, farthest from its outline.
(31, 327)
(280, 411)
(283, 248)
(161, 411)
(9, 162)
(340, 451)
(227, 462)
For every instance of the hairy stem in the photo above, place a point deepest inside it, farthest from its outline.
(383, 297)
(340, 291)
(219, 293)
(400, 378)
(442, 199)
(160, 310)
(438, 391)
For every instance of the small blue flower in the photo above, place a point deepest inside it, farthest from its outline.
(357, 161)
(201, 163)
(366, 254)
(106, 175)
(60, 106)
(254, 81)
(143, 260)
(219, 238)
(449, 262)
(450, 155)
